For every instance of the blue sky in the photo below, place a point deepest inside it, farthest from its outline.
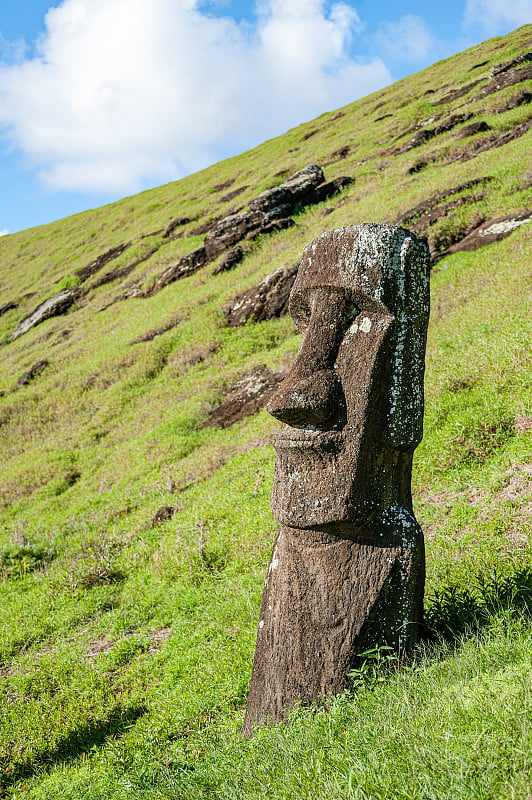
(103, 98)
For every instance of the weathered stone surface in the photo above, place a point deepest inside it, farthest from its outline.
(451, 122)
(247, 396)
(205, 226)
(427, 208)
(272, 198)
(423, 135)
(455, 94)
(185, 266)
(491, 141)
(230, 230)
(505, 78)
(326, 190)
(274, 223)
(267, 300)
(422, 226)
(524, 58)
(347, 570)
(304, 181)
(53, 307)
(269, 212)
(488, 232)
(520, 99)
(422, 217)
(229, 260)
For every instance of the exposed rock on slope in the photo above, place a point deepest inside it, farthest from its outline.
(266, 300)
(488, 232)
(101, 261)
(488, 142)
(268, 212)
(247, 396)
(54, 306)
(507, 77)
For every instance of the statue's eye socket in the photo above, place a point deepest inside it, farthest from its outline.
(304, 304)
(301, 311)
(351, 313)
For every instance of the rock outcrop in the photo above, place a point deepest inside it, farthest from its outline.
(53, 307)
(487, 232)
(247, 396)
(267, 300)
(270, 211)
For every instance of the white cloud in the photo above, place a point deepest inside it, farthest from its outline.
(125, 91)
(405, 39)
(496, 16)
(4, 232)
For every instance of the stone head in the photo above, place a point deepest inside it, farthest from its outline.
(352, 405)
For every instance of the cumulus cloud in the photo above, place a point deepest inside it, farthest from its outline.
(405, 39)
(495, 16)
(126, 91)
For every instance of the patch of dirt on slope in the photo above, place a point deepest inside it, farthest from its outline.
(7, 307)
(505, 77)
(35, 370)
(516, 488)
(519, 99)
(148, 336)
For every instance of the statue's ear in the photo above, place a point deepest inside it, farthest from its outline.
(405, 408)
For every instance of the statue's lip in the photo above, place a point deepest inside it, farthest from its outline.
(311, 438)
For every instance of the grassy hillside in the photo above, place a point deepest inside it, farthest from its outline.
(135, 530)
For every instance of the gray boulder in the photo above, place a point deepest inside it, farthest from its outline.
(304, 181)
(53, 307)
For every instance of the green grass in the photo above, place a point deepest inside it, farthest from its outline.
(126, 647)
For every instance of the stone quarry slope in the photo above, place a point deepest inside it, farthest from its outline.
(139, 343)
(148, 289)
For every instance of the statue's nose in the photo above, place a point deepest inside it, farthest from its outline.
(305, 399)
(311, 394)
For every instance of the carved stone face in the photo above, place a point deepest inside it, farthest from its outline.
(352, 406)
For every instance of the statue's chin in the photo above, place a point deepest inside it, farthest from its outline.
(314, 482)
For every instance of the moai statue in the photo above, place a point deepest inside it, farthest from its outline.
(348, 568)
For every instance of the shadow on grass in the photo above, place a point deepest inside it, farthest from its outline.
(74, 744)
(456, 610)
